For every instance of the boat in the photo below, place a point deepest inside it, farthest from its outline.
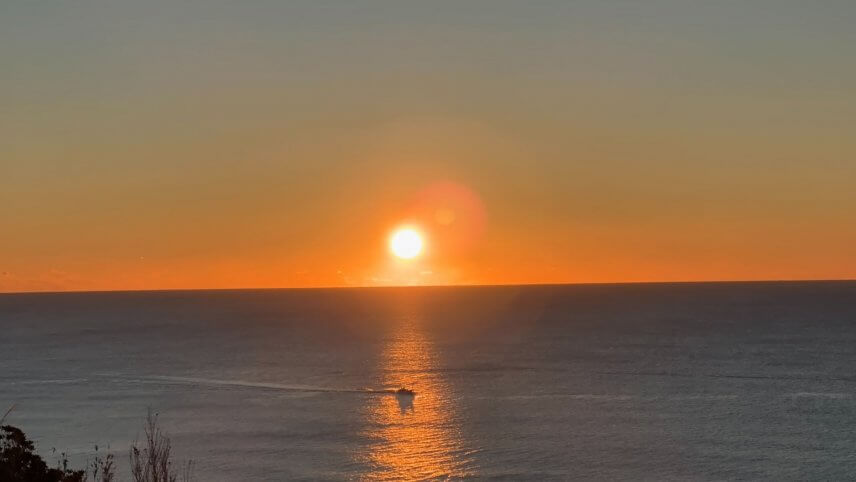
(405, 391)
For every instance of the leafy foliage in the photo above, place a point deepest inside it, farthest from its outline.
(19, 462)
(151, 461)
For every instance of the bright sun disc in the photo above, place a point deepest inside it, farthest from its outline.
(405, 243)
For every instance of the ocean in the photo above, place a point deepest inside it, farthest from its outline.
(671, 381)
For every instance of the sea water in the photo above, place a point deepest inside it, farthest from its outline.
(639, 381)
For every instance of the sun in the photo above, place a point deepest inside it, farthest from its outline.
(406, 243)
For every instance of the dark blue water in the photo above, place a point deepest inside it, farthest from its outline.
(659, 381)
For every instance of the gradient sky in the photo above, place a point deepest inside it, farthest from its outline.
(212, 144)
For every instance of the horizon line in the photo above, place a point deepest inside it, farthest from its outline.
(473, 285)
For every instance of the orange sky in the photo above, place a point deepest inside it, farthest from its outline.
(147, 146)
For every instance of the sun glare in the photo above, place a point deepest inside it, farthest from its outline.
(406, 243)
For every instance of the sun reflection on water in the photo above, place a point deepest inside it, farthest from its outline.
(414, 437)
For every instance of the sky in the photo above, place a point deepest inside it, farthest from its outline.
(225, 144)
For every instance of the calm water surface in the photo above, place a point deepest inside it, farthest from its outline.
(654, 382)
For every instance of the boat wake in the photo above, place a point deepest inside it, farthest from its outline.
(260, 385)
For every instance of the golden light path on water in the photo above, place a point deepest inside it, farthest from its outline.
(414, 437)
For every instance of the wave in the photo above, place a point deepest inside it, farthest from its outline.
(58, 381)
(834, 396)
(737, 376)
(613, 398)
